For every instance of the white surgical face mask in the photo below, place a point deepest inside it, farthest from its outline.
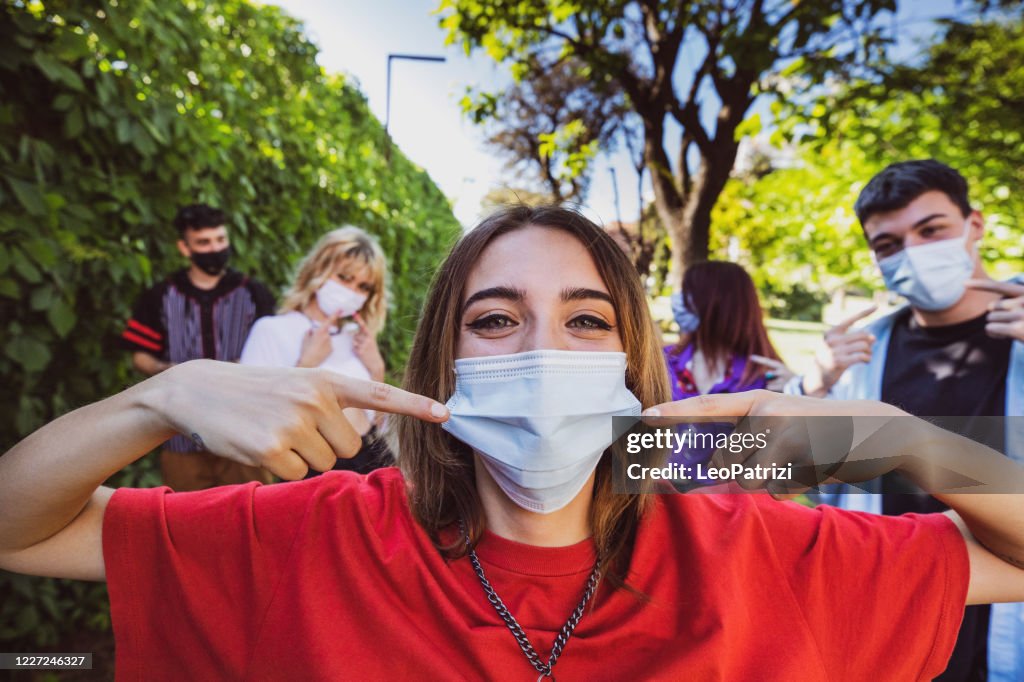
(337, 299)
(541, 420)
(687, 320)
(930, 276)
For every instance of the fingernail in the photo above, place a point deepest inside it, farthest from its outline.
(651, 412)
(438, 410)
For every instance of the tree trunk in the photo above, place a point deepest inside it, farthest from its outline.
(668, 202)
(689, 224)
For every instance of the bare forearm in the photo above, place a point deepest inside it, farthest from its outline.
(996, 521)
(47, 478)
(991, 501)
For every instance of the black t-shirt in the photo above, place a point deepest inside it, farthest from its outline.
(952, 371)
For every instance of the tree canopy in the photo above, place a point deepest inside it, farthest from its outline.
(737, 52)
(550, 127)
(960, 103)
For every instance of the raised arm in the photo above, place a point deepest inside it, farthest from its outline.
(880, 438)
(284, 419)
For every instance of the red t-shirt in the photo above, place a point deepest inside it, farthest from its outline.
(331, 578)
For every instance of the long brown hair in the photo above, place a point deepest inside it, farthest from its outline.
(723, 296)
(438, 468)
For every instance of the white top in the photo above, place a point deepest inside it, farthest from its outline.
(276, 341)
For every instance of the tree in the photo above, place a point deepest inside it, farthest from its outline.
(795, 232)
(635, 47)
(960, 103)
(550, 127)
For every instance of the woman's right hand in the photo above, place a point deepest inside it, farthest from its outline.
(287, 420)
(316, 344)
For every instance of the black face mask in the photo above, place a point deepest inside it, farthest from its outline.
(212, 262)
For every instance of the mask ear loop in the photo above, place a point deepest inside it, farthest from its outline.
(971, 248)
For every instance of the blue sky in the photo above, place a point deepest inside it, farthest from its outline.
(355, 37)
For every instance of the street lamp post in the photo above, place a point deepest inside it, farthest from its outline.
(387, 105)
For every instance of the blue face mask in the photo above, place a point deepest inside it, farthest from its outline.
(684, 317)
(931, 276)
(540, 420)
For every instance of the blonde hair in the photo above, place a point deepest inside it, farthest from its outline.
(342, 250)
(438, 468)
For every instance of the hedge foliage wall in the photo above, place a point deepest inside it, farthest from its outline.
(112, 114)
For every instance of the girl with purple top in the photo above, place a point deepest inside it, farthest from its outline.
(723, 344)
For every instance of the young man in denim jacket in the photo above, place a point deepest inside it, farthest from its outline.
(956, 350)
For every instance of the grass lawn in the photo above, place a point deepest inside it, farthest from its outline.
(796, 342)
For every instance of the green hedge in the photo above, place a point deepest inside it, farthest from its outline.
(112, 114)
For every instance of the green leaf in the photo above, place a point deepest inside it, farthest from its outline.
(123, 130)
(42, 252)
(73, 123)
(29, 196)
(27, 271)
(62, 317)
(27, 352)
(750, 127)
(42, 297)
(63, 102)
(57, 72)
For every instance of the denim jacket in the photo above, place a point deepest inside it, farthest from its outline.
(864, 382)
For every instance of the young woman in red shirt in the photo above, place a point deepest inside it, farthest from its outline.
(498, 548)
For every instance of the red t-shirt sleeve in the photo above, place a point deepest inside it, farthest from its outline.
(880, 593)
(208, 560)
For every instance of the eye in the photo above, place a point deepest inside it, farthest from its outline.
(366, 288)
(492, 322)
(589, 323)
(928, 231)
(884, 250)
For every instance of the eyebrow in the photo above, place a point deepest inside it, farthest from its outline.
(517, 295)
(507, 293)
(580, 293)
(916, 225)
(927, 218)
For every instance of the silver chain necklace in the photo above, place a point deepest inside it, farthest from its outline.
(517, 630)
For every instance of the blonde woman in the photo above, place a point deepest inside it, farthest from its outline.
(330, 318)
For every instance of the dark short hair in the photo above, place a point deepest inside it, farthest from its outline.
(901, 183)
(197, 217)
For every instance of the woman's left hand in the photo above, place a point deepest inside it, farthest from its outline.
(857, 440)
(364, 344)
(822, 440)
(778, 374)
